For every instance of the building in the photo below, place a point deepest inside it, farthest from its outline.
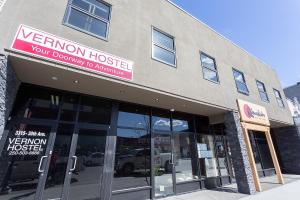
(132, 99)
(293, 95)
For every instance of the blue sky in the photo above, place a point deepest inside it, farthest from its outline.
(268, 29)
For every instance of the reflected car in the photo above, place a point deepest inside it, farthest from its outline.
(94, 159)
(132, 161)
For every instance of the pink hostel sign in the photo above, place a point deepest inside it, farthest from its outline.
(45, 45)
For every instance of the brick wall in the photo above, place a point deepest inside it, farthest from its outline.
(239, 153)
(288, 148)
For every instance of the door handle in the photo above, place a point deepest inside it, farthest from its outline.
(74, 164)
(40, 164)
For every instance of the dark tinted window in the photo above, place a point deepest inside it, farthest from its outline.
(69, 108)
(34, 102)
(93, 110)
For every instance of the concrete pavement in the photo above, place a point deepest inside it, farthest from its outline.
(271, 190)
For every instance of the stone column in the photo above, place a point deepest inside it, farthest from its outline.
(288, 148)
(239, 154)
(9, 85)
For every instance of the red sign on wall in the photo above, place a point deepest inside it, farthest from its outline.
(45, 45)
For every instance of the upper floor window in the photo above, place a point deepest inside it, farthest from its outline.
(278, 98)
(240, 82)
(163, 48)
(262, 91)
(89, 16)
(209, 68)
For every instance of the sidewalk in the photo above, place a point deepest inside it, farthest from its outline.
(271, 190)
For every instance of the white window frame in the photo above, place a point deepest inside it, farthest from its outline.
(71, 6)
(265, 91)
(173, 51)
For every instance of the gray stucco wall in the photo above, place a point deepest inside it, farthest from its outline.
(130, 37)
(288, 145)
(240, 160)
(9, 85)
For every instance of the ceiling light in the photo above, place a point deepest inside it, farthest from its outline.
(76, 81)
(172, 109)
(54, 78)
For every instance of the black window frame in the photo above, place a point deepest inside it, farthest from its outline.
(153, 43)
(107, 21)
(215, 66)
(244, 83)
(264, 91)
(279, 98)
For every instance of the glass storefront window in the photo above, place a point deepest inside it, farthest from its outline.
(221, 155)
(94, 110)
(206, 152)
(69, 108)
(132, 159)
(33, 102)
(185, 165)
(161, 120)
(163, 164)
(182, 122)
(133, 117)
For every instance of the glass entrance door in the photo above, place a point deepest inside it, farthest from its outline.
(163, 164)
(86, 163)
(76, 165)
(24, 159)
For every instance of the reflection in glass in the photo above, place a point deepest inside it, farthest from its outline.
(163, 40)
(133, 116)
(207, 62)
(93, 110)
(182, 122)
(163, 164)
(186, 166)
(206, 152)
(90, 15)
(86, 177)
(69, 108)
(164, 55)
(161, 120)
(35, 103)
(221, 155)
(20, 159)
(132, 160)
(240, 81)
(58, 162)
(210, 75)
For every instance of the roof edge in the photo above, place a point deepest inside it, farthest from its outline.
(207, 26)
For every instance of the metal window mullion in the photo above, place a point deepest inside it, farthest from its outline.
(89, 14)
(214, 70)
(163, 47)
